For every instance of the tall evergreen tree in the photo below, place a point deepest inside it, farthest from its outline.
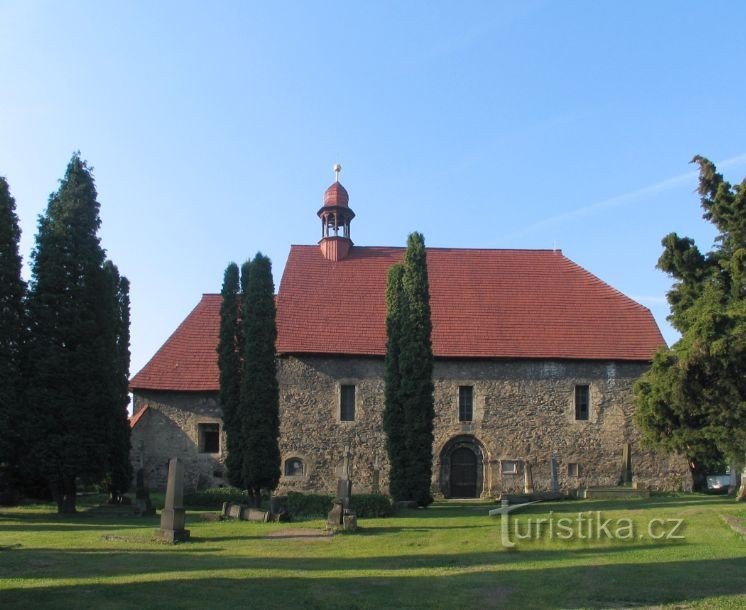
(693, 398)
(410, 406)
(119, 467)
(12, 334)
(258, 407)
(77, 375)
(229, 364)
(393, 415)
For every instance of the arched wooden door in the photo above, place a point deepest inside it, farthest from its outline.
(463, 473)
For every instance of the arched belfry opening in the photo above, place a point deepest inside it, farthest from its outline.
(336, 217)
(462, 468)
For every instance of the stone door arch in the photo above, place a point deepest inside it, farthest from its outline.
(462, 462)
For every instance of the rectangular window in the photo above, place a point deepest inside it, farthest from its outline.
(582, 402)
(465, 403)
(573, 469)
(509, 467)
(209, 438)
(347, 403)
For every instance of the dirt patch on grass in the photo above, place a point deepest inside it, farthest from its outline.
(737, 524)
(305, 534)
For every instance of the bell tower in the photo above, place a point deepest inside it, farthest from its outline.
(336, 216)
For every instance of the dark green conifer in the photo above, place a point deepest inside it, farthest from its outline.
(259, 397)
(393, 414)
(75, 383)
(693, 398)
(12, 334)
(119, 467)
(409, 413)
(229, 364)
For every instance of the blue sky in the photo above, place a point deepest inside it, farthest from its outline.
(213, 128)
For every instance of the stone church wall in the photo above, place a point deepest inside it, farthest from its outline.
(523, 411)
(170, 427)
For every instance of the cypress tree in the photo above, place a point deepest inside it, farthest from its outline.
(416, 369)
(229, 364)
(409, 410)
(75, 383)
(12, 334)
(258, 407)
(393, 414)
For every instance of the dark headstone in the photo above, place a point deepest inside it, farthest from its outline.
(173, 515)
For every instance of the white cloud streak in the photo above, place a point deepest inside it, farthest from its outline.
(625, 199)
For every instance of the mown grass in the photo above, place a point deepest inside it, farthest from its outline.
(447, 556)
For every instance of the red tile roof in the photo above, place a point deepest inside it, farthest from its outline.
(138, 416)
(485, 304)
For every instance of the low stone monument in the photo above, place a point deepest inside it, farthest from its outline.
(173, 515)
(554, 474)
(341, 517)
(528, 480)
(143, 505)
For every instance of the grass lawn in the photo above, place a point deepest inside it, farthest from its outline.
(450, 555)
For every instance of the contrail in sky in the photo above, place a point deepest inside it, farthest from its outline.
(625, 199)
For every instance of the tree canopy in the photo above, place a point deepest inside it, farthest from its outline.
(693, 398)
(409, 410)
(76, 424)
(248, 377)
(12, 332)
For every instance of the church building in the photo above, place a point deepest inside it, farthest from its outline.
(535, 359)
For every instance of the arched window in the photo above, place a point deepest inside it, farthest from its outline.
(294, 467)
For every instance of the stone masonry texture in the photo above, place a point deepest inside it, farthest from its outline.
(523, 412)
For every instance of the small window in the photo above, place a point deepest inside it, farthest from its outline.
(293, 467)
(347, 403)
(509, 467)
(209, 438)
(465, 403)
(582, 402)
(573, 469)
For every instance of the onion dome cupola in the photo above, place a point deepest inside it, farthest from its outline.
(336, 216)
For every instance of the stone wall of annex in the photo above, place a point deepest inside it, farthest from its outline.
(523, 411)
(170, 428)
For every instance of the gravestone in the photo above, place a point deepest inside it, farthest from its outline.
(528, 480)
(554, 474)
(143, 505)
(341, 516)
(173, 515)
(279, 509)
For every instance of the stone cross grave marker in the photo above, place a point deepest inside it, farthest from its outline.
(173, 515)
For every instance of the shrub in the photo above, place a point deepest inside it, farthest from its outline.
(366, 506)
(309, 505)
(212, 499)
(369, 506)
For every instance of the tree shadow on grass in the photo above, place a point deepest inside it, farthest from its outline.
(188, 557)
(611, 585)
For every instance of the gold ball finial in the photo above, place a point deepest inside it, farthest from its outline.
(337, 168)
